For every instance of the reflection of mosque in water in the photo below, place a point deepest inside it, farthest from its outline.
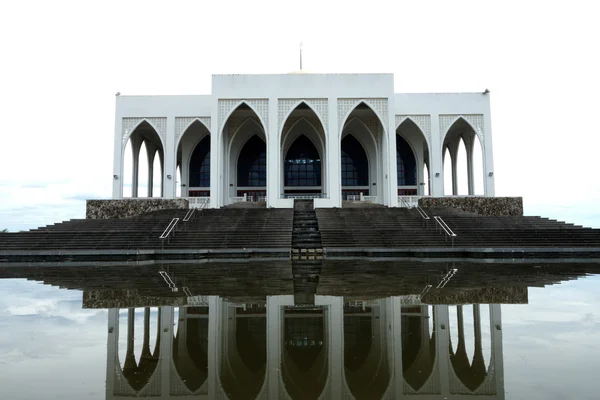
(388, 348)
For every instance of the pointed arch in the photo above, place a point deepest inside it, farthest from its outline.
(292, 135)
(233, 109)
(417, 124)
(137, 126)
(303, 132)
(460, 119)
(368, 105)
(200, 120)
(236, 132)
(294, 108)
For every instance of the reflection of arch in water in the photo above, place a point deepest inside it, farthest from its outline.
(138, 378)
(305, 353)
(419, 357)
(244, 354)
(366, 363)
(471, 375)
(190, 350)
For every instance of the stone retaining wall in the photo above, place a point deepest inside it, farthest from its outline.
(493, 206)
(124, 208)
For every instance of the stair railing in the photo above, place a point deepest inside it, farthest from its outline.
(189, 215)
(168, 230)
(445, 228)
(446, 278)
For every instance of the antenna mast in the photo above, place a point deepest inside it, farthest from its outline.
(300, 56)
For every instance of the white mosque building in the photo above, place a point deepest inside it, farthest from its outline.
(330, 137)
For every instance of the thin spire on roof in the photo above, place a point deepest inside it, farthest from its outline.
(300, 56)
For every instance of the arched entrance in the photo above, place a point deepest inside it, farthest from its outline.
(362, 144)
(303, 154)
(412, 155)
(193, 158)
(245, 169)
(302, 168)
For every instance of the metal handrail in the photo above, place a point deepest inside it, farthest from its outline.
(446, 278)
(169, 228)
(422, 213)
(189, 215)
(444, 226)
(169, 281)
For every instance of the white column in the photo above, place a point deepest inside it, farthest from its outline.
(274, 344)
(216, 158)
(335, 387)
(469, 142)
(170, 160)
(395, 347)
(273, 154)
(488, 157)
(136, 143)
(151, 152)
(215, 390)
(112, 350)
(453, 147)
(497, 355)
(118, 160)
(166, 348)
(442, 341)
(436, 165)
(334, 160)
(390, 179)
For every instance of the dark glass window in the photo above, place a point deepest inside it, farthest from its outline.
(355, 165)
(200, 164)
(302, 164)
(252, 163)
(405, 163)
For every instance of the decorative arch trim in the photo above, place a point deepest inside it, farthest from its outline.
(183, 123)
(378, 105)
(423, 122)
(473, 120)
(285, 107)
(321, 147)
(159, 125)
(227, 106)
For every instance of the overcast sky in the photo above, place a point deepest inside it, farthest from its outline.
(62, 62)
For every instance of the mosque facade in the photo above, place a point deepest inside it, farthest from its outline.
(273, 138)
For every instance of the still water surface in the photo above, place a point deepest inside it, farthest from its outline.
(347, 329)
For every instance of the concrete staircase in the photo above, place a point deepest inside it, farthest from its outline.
(305, 233)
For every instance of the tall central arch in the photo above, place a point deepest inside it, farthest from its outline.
(303, 154)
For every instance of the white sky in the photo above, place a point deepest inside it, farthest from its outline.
(62, 62)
